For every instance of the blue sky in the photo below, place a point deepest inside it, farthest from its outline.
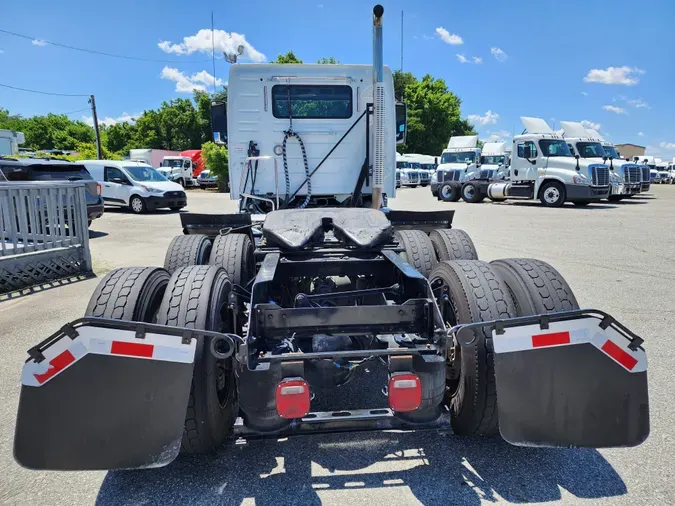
(609, 63)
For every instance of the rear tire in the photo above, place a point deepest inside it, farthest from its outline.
(187, 250)
(129, 293)
(419, 251)
(536, 286)
(197, 298)
(449, 192)
(453, 244)
(471, 291)
(471, 194)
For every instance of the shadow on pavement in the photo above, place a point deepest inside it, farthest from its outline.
(531, 203)
(43, 287)
(96, 234)
(302, 470)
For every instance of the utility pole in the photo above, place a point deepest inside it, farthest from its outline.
(99, 154)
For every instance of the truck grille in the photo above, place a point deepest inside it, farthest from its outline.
(425, 177)
(631, 174)
(645, 174)
(486, 174)
(443, 176)
(599, 176)
(414, 177)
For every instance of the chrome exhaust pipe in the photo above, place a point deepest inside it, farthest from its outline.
(378, 107)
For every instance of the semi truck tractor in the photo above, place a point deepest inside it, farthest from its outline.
(460, 157)
(625, 176)
(257, 319)
(408, 172)
(610, 151)
(424, 164)
(543, 168)
(493, 168)
(183, 168)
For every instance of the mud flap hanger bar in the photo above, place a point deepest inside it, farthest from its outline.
(543, 320)
(222, 345)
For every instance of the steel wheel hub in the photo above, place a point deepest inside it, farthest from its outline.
(552, 195)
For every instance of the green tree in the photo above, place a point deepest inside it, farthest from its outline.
(116, 138)
(216, 160)
(289, 57)
(401, 81)
(87, 151)
(328, 61)
(433, 115)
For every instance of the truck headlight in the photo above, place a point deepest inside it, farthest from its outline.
(580, 179)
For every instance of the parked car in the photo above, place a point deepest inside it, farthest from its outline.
(207, 180)
(24, 170)
(136, 185)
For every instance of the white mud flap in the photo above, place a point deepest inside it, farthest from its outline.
(581, 382)
(104, 394)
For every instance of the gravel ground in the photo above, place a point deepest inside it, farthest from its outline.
(619, 258)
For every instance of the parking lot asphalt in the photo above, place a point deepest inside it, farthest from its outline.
(617, 257)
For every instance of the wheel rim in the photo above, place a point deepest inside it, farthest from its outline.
(137, 205)
(445, 191)
(469, 192)
(449, 314)
(223, 378)
(551, 195)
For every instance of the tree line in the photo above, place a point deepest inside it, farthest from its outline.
(180, 124)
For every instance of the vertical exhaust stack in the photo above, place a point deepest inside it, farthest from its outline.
(378, 107)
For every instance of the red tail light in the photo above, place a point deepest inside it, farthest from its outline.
(405, 392)
(98, 188)
(292, 398)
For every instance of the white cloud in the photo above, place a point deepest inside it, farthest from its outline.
(37, 42)
(187, 84)
(614, 109)
(591, 125)
(499, 54)
(641, 134)
(498, 136)
(449, 38)
(584, 93)
(474, 59)
(639, 103)
(614, 75)
(125, 117)
(489, 118)
(224, 42)
(667, 145)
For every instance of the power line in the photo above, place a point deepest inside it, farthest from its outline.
(43, 92)
(101, 53)
(73, 112)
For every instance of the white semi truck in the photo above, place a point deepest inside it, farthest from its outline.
(542, 167)
(10, 141)
(625, 177)
(408, 172)
(461, 157)
(424, 164)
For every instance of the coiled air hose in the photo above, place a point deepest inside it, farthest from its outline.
(288, 134)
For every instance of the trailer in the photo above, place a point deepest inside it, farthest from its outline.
(257, 316)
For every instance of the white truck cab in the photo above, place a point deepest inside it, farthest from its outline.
(662, 169)
(10, 141)
(671, 171)
(304, 135)
(461, 157)
(493, 161)
(178, 169)
(542, 167)
(625, 177)
(424, 164)
(408, 172)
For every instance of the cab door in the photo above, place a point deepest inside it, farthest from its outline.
(116, 186)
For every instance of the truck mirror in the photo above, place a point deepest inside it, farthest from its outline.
(436, 160)
(219, 122)
(401, 122)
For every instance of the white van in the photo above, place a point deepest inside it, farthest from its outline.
(136, 185)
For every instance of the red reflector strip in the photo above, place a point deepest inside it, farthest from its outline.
(132, 349)
(56, 365)
(621, 356)
(551, 339)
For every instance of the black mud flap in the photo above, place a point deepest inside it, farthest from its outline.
(104, 398)
(575, 383)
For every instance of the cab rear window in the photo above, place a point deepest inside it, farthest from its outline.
(312, 101)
